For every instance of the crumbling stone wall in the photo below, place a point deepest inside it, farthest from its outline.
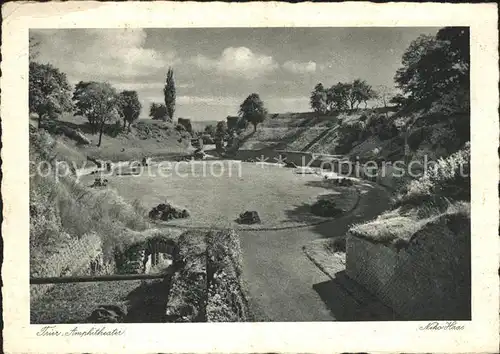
(429, 279)
(226, 298)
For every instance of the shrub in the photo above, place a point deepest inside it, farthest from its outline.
(340, 182)
(42, 145)
(225, 248)
(114, 129)
(186, 123)
(207, 139)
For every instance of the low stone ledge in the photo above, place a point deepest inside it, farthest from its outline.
(428, 279)
(188, 294)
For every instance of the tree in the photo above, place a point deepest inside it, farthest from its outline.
(252, 110)
(98, 101)
(318, 99)
(129, 107)
(221, 129)
(169, 93)
(49, 91)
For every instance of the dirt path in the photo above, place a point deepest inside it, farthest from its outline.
(280, 277)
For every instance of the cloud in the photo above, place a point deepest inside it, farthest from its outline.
(299, 68)
(139, 86)
(102, 54)
(239, 62)
(287, 104)
(208, 100)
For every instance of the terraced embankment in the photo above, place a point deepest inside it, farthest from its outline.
(282, 279)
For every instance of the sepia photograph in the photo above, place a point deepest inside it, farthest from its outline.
(250, 178)
(249, 174)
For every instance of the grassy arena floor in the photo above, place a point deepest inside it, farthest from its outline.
(216, 192)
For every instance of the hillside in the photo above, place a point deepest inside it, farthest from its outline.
(77, 230)
(146, 138)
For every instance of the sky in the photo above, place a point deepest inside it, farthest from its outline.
(215, 69)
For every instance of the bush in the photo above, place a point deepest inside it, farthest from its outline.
(449, 179)
(207, 139)
(340, 182)
(114, 129)
(45, 221)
